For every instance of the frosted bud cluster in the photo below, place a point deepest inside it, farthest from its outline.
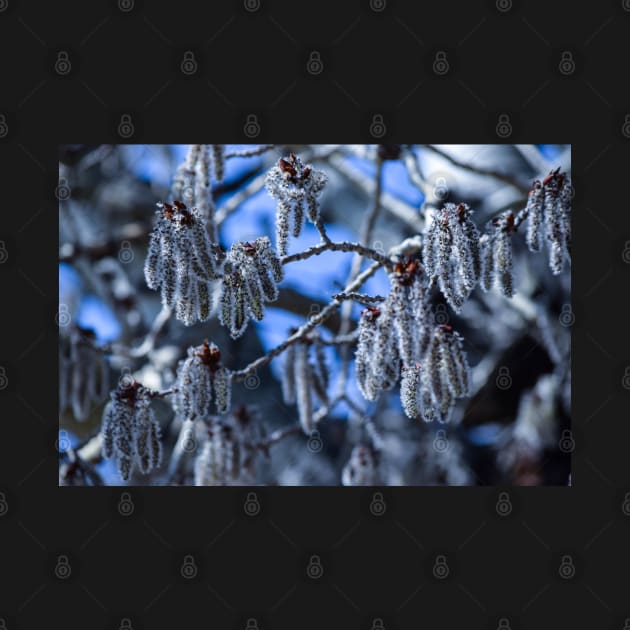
(296, 187)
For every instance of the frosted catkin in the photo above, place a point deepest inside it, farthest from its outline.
(297, 188)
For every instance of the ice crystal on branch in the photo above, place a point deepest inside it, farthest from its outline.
(362, 467)
(296, 188)
(395, 332)
(191, 183)
(250, 277)
(219, 461)
(131, 434)
(428, 391)
(496, 255)
(180, 261)
(200, 378)
(549, 217)
(83, 375)
(451, 252)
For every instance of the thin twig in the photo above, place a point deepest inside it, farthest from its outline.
(311, 323)
(362, 298)
(503, 177)
(277, 436)
(361, 251)
(397, 208)
(263, 148)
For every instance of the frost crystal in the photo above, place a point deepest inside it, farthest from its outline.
(83, 375)
(393, 332)
(361, 469)
(428, 391)
(218, 161)
(549, 217)
(200, 377)
(251, 274)
(496, 255)
(451, 253)
(131, 434)
(180, 261)
(296, 188)
(219, 461)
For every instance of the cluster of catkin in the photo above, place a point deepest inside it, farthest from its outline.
(496, 255)
(83, 373)
(305, 373)
(250, 276)
(130, 431)
(296, 187)
(393, 333)
(191, 182)
(220, 459)
(200, 379)
(428, 389)
(451, 253)
(549, 217)
(180, 261)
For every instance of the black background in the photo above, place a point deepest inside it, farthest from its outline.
(255, 62)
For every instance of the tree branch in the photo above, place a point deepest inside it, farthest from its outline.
(488, 172)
